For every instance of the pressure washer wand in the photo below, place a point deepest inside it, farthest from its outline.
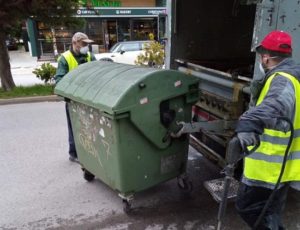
(222, 208)
(233, 155)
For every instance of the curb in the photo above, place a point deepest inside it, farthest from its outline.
(20, 100)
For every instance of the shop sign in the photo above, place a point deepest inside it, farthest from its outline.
(100, 3)
(121, 12)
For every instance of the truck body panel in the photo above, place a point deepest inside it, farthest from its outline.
(215, 41)
(222, 34)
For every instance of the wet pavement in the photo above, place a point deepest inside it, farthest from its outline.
(41, 189)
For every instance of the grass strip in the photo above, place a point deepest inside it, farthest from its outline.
(27, 91)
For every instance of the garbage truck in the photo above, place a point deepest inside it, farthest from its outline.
(215, 41)
(126, 119)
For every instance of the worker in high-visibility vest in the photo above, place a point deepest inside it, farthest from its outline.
(276, 95)
(78, 54)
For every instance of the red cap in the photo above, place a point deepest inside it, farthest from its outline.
(278, 41)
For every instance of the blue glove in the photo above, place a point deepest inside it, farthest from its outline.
(248, 138)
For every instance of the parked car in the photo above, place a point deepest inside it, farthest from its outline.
(11, 44)
(123, 52)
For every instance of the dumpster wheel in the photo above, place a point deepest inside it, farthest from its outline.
(88, 176)
(126, 206)
(184, 183)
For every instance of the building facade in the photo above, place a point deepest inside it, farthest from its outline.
(106, 22)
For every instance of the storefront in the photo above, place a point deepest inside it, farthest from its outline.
(106, 22)
(111, 25)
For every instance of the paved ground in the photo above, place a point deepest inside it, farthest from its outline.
(22, 65)
(41, 189)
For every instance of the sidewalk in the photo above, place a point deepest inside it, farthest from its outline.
(22, 65)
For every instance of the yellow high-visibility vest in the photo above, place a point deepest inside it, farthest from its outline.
(72, 63)
(265, 163)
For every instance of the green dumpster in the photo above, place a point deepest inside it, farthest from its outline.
(122, 117)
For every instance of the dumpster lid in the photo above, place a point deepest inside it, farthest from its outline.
(116, 88)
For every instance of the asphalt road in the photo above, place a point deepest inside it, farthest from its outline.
(41, 189)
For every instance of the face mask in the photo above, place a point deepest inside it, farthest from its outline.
(84, 50)
(262, 69)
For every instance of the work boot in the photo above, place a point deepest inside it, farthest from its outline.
(73, 159)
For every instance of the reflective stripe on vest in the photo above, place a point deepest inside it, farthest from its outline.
(72, 63)
(265, 163)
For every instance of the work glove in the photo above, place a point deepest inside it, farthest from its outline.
(248, 139)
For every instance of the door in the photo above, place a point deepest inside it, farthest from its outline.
(112, 33)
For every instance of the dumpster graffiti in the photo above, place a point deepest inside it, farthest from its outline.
(105, 121)
(102, 133)
(89, 147)
(107, 148)
(92, 131)
(88, 124)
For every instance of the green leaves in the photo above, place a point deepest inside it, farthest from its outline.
(153, 55)
(46, 72)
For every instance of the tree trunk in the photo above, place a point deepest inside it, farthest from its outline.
(7, 81)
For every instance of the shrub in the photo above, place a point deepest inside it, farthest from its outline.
(153, 55)
(46, 72)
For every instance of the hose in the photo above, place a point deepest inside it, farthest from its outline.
(271, 197)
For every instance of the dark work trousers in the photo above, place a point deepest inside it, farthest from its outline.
(72, 149)
(251, 200)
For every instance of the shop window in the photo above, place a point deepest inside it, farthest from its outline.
(63, 38)
(142, 28)
(112, 32)
(123, 30)
(45, 38)
(94, 31)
